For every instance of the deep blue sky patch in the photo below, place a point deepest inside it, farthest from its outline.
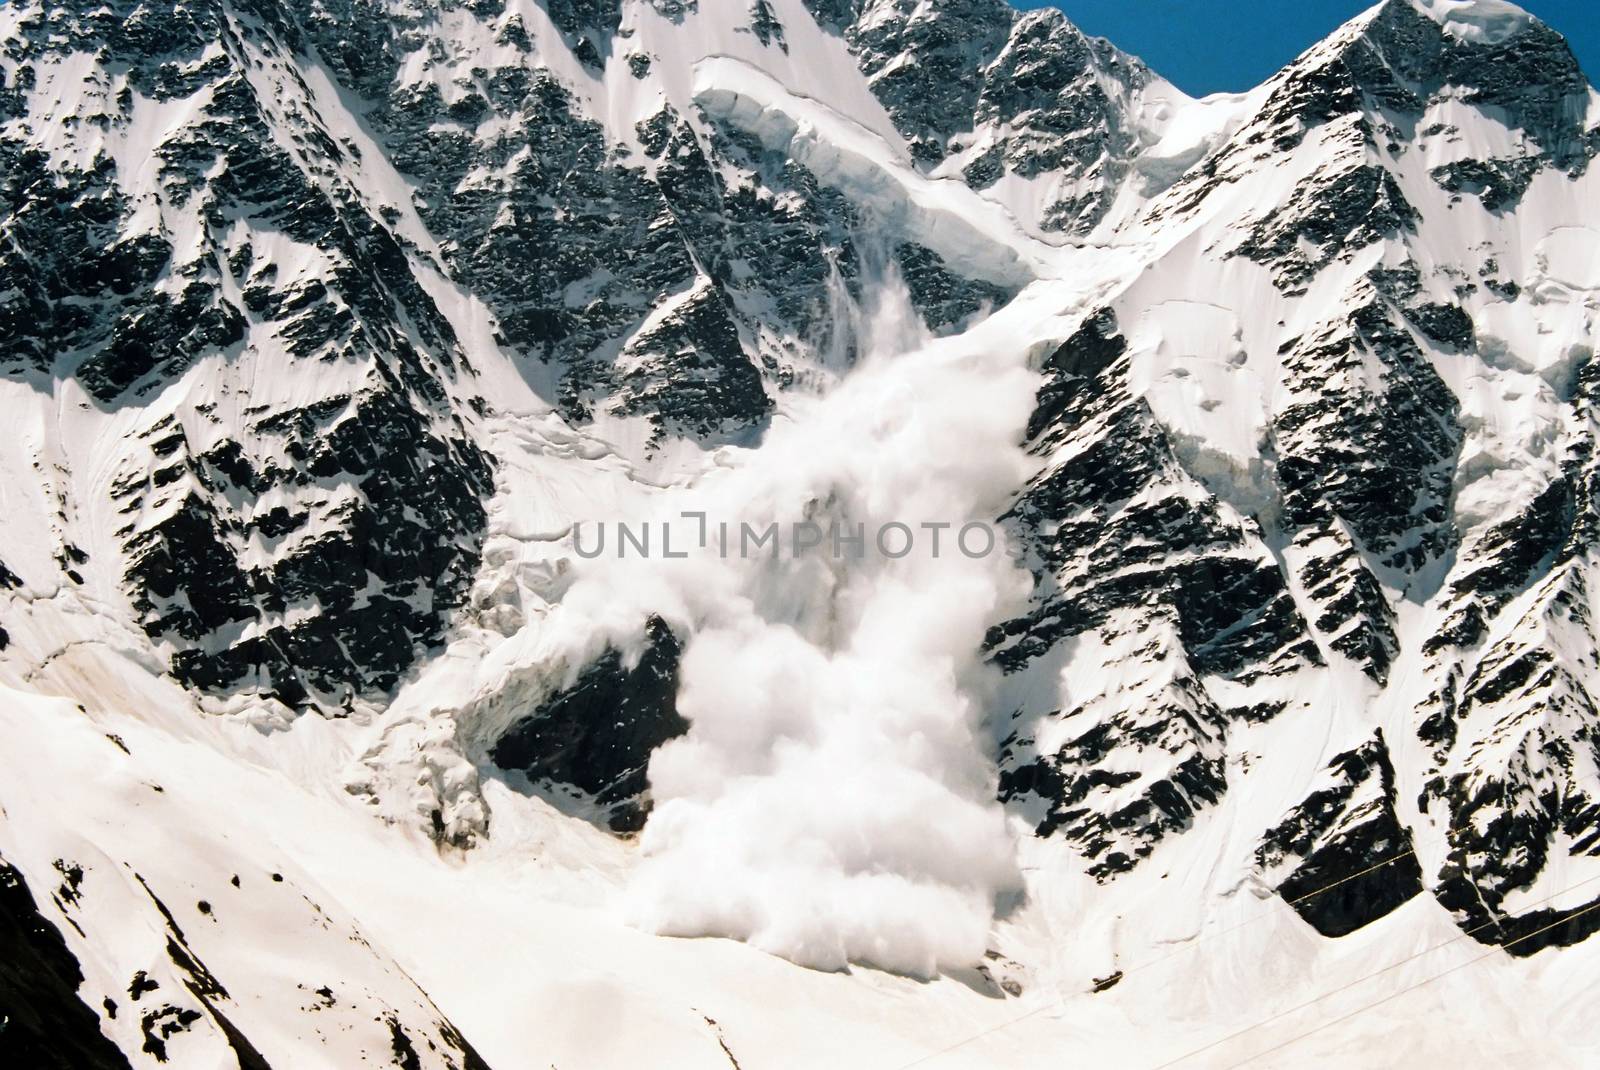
(1207, 46)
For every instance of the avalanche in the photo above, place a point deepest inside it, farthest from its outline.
(1268, 734)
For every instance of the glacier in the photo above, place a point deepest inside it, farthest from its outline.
(1269, 737)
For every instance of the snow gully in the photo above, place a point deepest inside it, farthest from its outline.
(893, 540)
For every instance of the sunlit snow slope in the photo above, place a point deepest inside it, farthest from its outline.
(331, 330)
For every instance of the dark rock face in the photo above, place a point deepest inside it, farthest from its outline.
(1175, 586)
(1348, 859)
(688, 368)
(376, 544)
(1499, 184)
(1531, 78)
(1338, 212)
(360, 580)
(1447, 326)
(1504, 561)
(599, 733)
(1366, 464)
(1011, 93)
(577, 243)
(1115, 544)
(1169, 716)
(568, 203)
(315, 549)
(91, 292)
(835, 15)
(1367, 447)
(945, 299)
(952, 41)
(765, 25)
(46, 1025)
(314, 543)
(1513, 721)
(1047, 89)
(588, 27)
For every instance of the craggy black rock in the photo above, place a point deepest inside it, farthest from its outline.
(598, 734)
(46, 1024)
(1351, 859)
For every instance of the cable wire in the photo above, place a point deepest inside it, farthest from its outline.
(1362, 980)
(1420, 984)
(1189, 946)
(930, 1056)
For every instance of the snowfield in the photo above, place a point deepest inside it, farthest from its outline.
(1266, 736)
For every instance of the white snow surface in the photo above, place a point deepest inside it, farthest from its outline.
(1479, 21)
(826, 832)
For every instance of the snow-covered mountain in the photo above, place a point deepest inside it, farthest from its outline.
(332, 331)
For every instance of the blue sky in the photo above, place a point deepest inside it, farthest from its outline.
(1204, 46)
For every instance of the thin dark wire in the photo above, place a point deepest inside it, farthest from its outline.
(1264, 915)
(920, 1060)
(1412, 988)
(976, 1036)
(1152, 962)
(1362, 980)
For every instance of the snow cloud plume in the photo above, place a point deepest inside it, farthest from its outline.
(833, 799)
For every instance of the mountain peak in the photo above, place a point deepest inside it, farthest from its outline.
(1487, 22)
(1470, 43)
(1405, 59)
(356, 351)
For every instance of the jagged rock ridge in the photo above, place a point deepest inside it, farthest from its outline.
(324, 321)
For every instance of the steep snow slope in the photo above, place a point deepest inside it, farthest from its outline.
(328, 327)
